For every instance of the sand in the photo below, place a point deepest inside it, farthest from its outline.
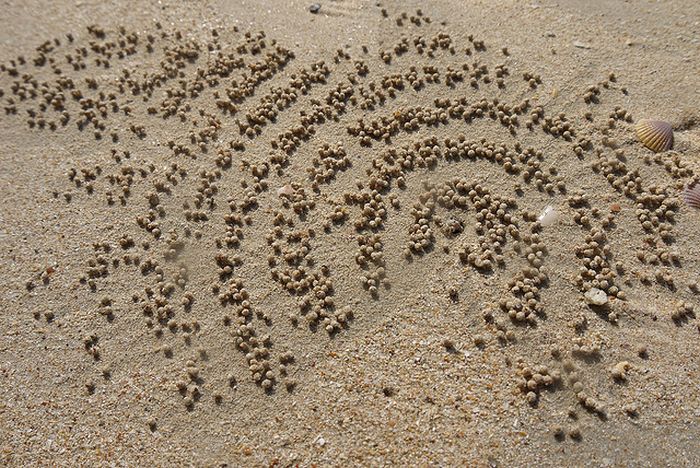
(242, 233)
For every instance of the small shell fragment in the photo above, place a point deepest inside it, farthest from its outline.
(549, 216)
(287, 190)
(619, 370)
(691, 195)
(595, 296)
(655, 134)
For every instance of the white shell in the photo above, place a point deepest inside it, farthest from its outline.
(595, 296)
(285, 190)
(549, 216)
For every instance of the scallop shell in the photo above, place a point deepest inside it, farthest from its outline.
(691, 195)
(655, 134)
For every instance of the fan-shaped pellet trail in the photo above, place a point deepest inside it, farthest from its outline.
(414, 239)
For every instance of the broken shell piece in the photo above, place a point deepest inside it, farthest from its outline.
(691, 195)
(619, 370)
(595, 296)
(287, 190)
(549, 216)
